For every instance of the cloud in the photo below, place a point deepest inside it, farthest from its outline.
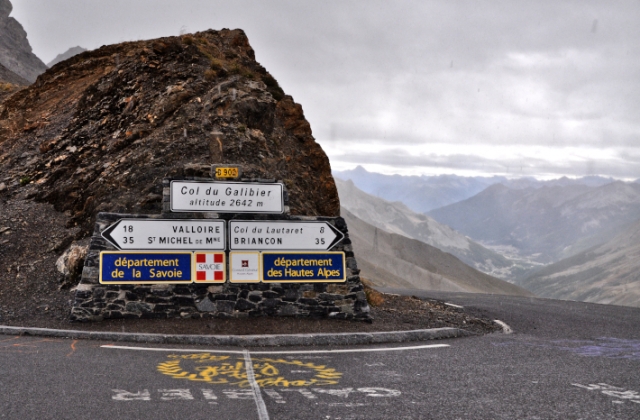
(408, 74)
(539, 161)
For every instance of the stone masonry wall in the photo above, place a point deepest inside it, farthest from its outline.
(95, 301)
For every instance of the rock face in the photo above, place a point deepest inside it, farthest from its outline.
(100, 131)
(15, 51)
(66, 55)
(9, 82)
(7, 76)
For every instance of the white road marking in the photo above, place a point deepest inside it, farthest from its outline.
(263, 414)
(329, 351)
(275, 395)
(505, 328)
(454, 305)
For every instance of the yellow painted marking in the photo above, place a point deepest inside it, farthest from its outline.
(231, 370)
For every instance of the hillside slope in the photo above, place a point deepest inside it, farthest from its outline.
(66, 55)
(9, 83)
(391, 260)
(546, 224)
(608, 274)
(397, 218)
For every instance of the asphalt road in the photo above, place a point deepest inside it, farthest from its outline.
(565, 361)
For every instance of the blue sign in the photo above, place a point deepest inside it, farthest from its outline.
(145, 267)
(303, 267)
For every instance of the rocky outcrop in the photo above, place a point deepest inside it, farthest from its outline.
(66, 55)
(101, 130)
(9, 83)
(15, 51)
(9, 77)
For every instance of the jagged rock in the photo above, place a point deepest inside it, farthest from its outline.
(70, 264)
(66, 55)
(15, 50)
(99, 131)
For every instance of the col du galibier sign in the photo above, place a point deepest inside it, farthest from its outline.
(227, 197)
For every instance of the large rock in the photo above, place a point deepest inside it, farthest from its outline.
(99, 131)
(15, 50)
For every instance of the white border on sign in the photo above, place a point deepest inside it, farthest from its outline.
(106, 234)
(195, 269)
(239, 253)
(235, 210)
(149, 281)
(339, 235)
(344, 266)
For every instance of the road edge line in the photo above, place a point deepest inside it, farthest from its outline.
(320, 339)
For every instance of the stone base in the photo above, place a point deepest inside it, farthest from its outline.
(95, 301)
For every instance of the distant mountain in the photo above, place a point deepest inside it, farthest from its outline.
(548, 223)
(9, 83)
(65, 55)
(608, 274)
(419, 193)
(424, 193)
(397, 218)
(390, 260)
(7, 76)
(15, 50)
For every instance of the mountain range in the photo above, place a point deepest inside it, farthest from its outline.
(609, 273)
(66, 55)
(545, 224)
(395, 217)
(392, 260)
(425, 193)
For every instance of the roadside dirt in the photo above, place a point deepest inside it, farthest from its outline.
(31, 293)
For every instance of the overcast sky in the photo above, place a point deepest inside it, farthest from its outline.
(518, 88)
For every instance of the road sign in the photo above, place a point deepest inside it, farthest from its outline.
(291, 235)
(227, 197)
(118, 267)
(244, 267)
(210, 267)
(303, 267)
(167, 234)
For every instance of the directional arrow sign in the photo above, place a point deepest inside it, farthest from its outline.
(166, 234)
(288, 235)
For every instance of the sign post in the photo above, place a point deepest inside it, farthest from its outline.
(227, 197)
(167, 234)
(117, 267)
(303, 267)
(290, 235)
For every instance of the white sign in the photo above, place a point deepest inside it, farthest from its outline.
(227, 197)
(287, 235)
(166, 234)
(244, 267)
